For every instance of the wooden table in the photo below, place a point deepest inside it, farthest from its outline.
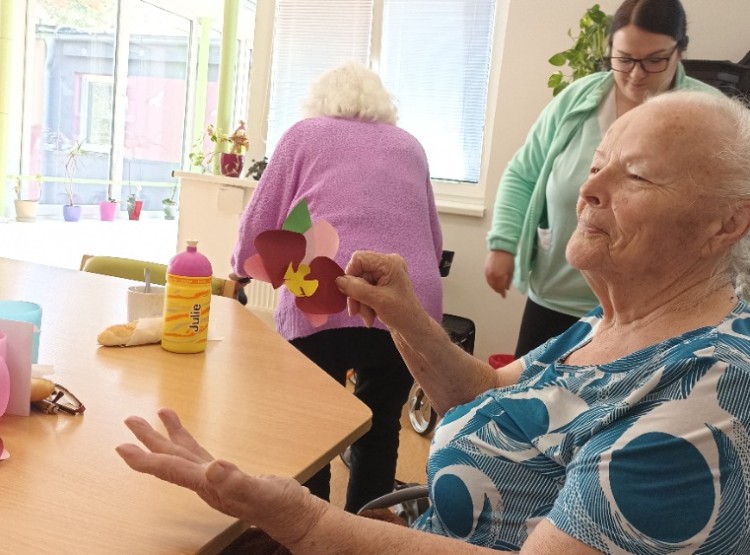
(250, 398)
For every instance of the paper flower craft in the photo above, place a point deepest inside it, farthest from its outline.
(300, 256)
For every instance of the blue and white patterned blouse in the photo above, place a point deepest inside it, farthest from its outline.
(648, 454)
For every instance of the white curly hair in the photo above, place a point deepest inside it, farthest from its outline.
(352, 91)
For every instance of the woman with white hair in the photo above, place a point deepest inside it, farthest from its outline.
(369, 179)
(628, 433)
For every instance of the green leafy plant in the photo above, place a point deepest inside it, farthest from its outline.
(198, 158)
(256, 169)
(132, 197)
(587, 55)
(168, 204)
(170, 201)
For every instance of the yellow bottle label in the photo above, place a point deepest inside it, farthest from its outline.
(186, 309)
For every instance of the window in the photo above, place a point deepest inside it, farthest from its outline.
(309, 38)
(96, 111)
(435, 60)
(433, 56)
(120, 78)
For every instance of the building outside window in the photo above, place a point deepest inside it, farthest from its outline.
(118, 77)
(96, 111)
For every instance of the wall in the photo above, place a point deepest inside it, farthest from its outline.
(536, 29)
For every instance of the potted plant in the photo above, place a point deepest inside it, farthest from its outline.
(232, 148)
(134, 207)
(587, 55)
(108, 209)
(169, 203)
(256, 169)
(71, 211)
(26, 209)
(198, 158)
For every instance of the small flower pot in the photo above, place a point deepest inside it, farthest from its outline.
(71, 212)
(107, 210)
(26, 210)
(168, 211)
(134, 210)
(231, 164)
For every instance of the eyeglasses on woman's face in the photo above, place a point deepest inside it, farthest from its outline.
(652, 64)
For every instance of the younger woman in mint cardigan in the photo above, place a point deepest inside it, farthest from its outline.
(534, 214)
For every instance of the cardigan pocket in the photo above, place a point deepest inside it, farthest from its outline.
(543, 238)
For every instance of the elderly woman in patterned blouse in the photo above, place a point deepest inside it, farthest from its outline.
(628, 433)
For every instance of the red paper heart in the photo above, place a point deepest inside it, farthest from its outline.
(278, 248)
(327, 299)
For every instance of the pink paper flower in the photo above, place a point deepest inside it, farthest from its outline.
(303, 262)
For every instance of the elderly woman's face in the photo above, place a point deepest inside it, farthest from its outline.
(643, 210)
(631, 42)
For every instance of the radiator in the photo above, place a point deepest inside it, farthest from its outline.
(261, 296)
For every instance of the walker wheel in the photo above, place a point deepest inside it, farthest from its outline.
(421, 415)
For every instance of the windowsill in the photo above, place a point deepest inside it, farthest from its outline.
(460, 207)
(246, 183)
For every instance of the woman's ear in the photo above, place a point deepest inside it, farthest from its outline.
(734, 226)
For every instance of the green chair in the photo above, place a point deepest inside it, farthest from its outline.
(130, 268)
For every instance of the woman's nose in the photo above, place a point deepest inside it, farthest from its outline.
(592, 190)
(638, 72)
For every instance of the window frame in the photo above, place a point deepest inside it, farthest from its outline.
(84, 105)
(452, 197)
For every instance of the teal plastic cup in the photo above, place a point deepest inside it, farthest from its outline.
(24, 311)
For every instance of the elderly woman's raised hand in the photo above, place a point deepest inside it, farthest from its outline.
(378, 285)
(280, 506)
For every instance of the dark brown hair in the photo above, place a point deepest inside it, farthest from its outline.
(665, 17)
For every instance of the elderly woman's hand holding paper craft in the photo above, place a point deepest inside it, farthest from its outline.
(628, 433)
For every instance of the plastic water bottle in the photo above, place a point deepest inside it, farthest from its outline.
(187, 302)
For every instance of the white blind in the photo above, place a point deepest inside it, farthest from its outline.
(435, 61)
(311, 37)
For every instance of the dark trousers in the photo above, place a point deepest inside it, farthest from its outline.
(383, 384)
(539, 324)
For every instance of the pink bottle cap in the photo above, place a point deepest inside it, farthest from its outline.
(190, 263)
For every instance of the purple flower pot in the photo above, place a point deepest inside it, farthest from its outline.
(71, 213)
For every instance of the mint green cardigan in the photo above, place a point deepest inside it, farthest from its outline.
(521, 196)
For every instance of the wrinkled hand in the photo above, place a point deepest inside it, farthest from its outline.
(378, 285)
(280, 506)
(498, 271)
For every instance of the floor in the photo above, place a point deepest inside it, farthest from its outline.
(412, 460)
(55, 242)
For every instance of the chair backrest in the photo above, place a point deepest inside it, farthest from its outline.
(130, 268)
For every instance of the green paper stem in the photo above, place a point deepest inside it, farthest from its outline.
(298, 219)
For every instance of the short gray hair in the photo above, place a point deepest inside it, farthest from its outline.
(733, 166)
(350, 91)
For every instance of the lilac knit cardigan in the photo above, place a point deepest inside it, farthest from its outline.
(371, 182)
